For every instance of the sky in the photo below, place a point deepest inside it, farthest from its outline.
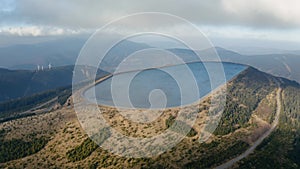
(221, 20)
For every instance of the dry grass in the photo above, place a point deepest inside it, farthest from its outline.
(66, 133)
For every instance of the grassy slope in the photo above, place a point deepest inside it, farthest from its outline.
(69, 137)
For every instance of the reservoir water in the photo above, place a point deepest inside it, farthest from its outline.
(159, 86)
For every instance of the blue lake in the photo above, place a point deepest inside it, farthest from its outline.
(157, 88)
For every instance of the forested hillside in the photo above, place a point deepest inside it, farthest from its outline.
(244, 95)
(282, 148)
(21, 83)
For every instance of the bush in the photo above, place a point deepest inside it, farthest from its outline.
(88, 146)
(17, 148)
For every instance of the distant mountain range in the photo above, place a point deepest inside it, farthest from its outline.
(27, 56)
(65, 52)
(61, 52)
(283, 65)
(24, 80)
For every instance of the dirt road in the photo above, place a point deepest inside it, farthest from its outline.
(259, 141)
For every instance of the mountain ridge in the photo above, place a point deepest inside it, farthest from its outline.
(73, 148)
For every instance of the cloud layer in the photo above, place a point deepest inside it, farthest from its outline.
(267, 13)
(57, 17)
(94, 13)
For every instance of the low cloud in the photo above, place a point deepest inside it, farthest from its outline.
(38, 31)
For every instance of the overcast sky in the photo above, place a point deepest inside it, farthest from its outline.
(270, 20)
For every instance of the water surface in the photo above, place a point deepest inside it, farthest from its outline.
(157, 88)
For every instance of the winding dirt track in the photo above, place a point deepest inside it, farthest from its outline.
(259, 141)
